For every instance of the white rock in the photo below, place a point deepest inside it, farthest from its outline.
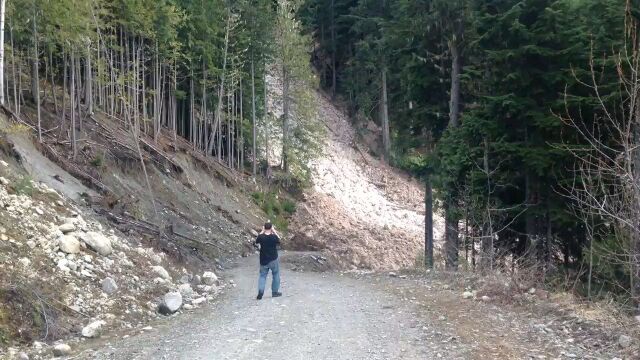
(23, 356)
(171, 302)
(199, 301)
(467, 295)
(93, 330)
(31, 244)
(39, 211)
(624, 341)
(209, 278)
(61, 350)
(160, 271)
(24, 262)
(62, 265)
(3, 163)
(532, 291)
(109, 286)
(4, 237)
(486, 298)
(186, 291)
(157, 259)
(188, 307)
(4, 181)
(69, 244)
(98, 242)
(67, 227)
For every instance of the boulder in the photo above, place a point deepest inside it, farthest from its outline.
(185, 279)
(61, 350)
(467, 295)
(196, 280)
(69, 244)
(186, 291)
(171, 302)
(109, 286)
(209, 278)
(98, 242)
(161, 272)
(67, 227)
(23, 356)
(624, 341)
(93, 330)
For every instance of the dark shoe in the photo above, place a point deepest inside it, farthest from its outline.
(259, 296)
(276, 294)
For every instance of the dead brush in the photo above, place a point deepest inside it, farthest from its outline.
(30, 313)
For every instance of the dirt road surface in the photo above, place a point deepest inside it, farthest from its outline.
(356, 315)
(320, 316)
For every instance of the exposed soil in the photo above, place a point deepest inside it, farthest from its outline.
(360, 211)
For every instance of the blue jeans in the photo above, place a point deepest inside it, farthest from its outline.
(274, 266)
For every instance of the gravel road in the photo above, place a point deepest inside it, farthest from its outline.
(320, 316)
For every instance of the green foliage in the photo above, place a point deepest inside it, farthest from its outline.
(278, 208)
(97, 161)
(519, 58)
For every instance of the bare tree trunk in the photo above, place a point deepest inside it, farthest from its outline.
(451, 235)
(253, 117)
(333, 51)
(64, 91)
(192, 110)
(73, 99)
(456, 68)
(36, 77)
(2, 11)
(428, 223)
(487, 247)
(285, 119)
(241, 133)
(53, 88)
(266, 126)
(386, 143)
(221, 88)
(88, 82)
(16, 100)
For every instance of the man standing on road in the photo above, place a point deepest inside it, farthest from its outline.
(268, 240)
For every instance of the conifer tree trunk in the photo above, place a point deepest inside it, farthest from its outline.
(386, 143)
(16, 100)
(35, 81)
(2, 11)
(285, 120)
(333, 50)
(240, 133)
(450, 207)
(88, 82)
(64, 90)
(191, 111)
(266, 125)
(428, 223)
(53, 89)
(456, 67)
(253, 118)
(73, 99)
(216, 124)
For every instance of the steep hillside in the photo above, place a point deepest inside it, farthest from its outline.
(80, 243)
(360, 211)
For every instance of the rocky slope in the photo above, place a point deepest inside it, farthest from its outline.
(360, 211)
(65, 274)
